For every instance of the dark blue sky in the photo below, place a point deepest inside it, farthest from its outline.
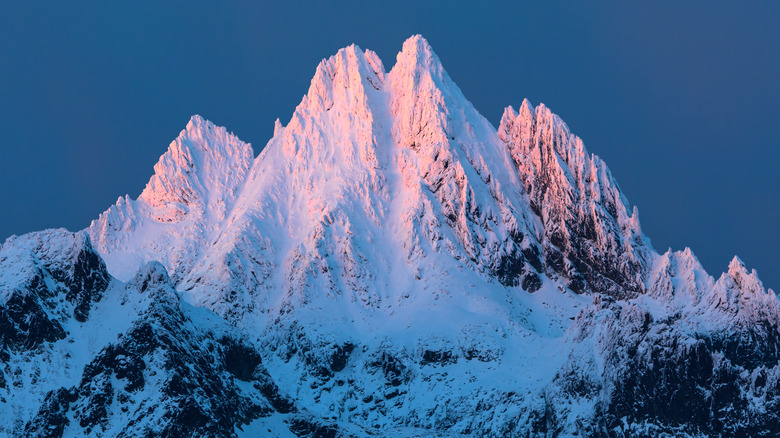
(680, 98)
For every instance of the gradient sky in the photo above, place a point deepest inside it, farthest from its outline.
(681, 99)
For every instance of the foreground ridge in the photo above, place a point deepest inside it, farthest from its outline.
(390, 264)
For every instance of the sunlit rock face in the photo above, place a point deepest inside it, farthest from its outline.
(390, 264)
(591, 238)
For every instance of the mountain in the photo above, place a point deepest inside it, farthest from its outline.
(390, 264)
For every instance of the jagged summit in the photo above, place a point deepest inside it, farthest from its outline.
(198, 124)
(745, 279)
(193, 188)
(193, 174)
(361, 139)
(587, 219)
(417, 56)
(737, 266)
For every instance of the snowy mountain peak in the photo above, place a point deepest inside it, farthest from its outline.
(358, 130)
(198, 124)
(526, 109)
(678, 279)
(417, 55)
(746, 280)
(423, 95)
(344, 75)
(46, 278)
(389, 265)
(737, 267)
(21, 257)
(200, 169)
(587, 219)
(193, 188)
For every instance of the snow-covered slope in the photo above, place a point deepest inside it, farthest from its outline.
(390, 264)
(183, 207)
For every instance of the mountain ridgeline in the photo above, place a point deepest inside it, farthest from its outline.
(390, 264)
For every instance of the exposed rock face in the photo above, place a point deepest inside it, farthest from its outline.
(389, 265)
(45, 277)
(661, 376)
(165, 376)
(592, 238)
